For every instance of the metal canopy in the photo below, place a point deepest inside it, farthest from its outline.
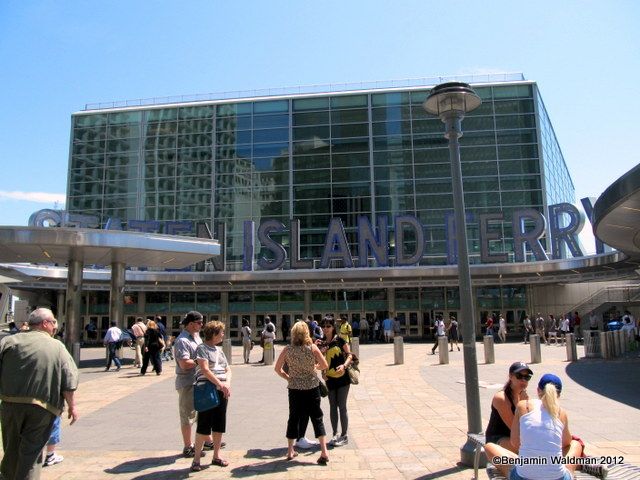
(616, 214)
(52, 245)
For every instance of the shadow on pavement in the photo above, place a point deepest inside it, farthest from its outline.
(266, 454)
(140, 464)
(613, 379)
(165, 475)
(442, 473)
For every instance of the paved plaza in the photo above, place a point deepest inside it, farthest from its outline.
(406, 421)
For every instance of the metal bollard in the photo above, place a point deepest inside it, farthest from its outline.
(269, 353)
(227, 350)
(443, 349)
(398, 351)
(489, 352)
(76, 353)
(611, 340)
(592, 344)
(355, 346)
(534, 345)
(605, 347)
(621, 340)
(572, 349)
(615, 340)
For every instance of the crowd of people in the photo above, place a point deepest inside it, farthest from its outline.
(315, 362)
(316, 357)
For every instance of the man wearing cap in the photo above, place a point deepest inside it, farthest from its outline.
(185, 356)
(37, 377)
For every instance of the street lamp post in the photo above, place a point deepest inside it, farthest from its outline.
(451, 101)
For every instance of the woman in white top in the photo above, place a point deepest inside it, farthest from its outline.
(246, 340)
(540, 431)
(502, 330)
(564, 329)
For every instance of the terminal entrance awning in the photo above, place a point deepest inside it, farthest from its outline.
(51, 245)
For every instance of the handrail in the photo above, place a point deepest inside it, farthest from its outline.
(307, 89)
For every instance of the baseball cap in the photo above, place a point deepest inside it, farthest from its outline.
(519, 367)
(550, 378)
(192, 316)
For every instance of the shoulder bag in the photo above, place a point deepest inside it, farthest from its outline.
(205, 396)
(205, 393)
(354, 370)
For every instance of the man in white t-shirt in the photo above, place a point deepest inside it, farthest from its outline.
(440, 332)
(111, 340)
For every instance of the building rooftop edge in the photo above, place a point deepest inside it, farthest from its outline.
(303, 90)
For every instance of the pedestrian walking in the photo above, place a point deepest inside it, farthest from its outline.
(113, 341)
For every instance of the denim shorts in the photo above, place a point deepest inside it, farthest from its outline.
(513, 475)
(54, 438)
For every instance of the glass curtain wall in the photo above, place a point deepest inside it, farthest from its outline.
(371, 154)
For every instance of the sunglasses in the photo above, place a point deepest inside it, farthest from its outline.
(523, 376)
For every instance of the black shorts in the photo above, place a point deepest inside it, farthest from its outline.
(214, 420)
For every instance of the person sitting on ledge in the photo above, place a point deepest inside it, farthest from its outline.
(540, 431)
(503, 405)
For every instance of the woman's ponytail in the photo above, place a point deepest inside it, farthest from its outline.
(550, 400)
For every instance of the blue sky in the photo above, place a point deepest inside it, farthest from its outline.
(57, 56)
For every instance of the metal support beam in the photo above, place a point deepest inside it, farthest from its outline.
(73, 303)
(116, 298)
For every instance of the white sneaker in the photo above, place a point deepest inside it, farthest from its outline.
(305, 443)
(52, 459)
(333, 440)
(340, 441)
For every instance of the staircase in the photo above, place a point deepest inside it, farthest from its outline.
(609, 296)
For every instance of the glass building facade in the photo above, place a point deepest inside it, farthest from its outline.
(373, 153)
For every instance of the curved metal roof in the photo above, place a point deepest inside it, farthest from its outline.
(52, 245)
(616, 214)
(609, 266)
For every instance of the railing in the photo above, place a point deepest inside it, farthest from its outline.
(308, 89)
(608, 295)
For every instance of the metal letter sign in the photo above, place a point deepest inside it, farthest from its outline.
(336, 246)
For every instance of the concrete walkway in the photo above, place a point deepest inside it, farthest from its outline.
(406, 421)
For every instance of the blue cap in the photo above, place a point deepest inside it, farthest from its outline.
(550, 378)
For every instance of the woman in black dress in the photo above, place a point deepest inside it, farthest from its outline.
(153, 344)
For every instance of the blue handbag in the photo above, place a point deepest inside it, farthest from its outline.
(205, 396)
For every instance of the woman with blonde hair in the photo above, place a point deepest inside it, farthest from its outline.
(540, 431)
(153, 345)
(212, 367)
(301, 358)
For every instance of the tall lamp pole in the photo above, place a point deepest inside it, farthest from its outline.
(451, 101)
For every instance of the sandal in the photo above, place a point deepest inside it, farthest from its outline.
(291, 457)
(322, 460)
(219, 462)
(196, 467)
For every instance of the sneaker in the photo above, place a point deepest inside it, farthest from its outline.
(305, 443)
(340, 441)
(52, 459)
(190, 452)
(333, 440)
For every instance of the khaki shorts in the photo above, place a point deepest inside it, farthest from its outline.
(185, 406)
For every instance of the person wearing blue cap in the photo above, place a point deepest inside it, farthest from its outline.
(540, 432)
